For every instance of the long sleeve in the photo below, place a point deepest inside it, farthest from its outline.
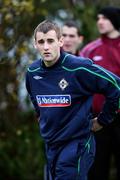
(99, 80)
(31, 97)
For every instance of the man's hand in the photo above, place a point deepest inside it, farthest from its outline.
(96, 126)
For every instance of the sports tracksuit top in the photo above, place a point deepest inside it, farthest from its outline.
(105, 52)
(62, 96)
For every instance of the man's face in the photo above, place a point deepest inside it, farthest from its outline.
(48, 46)
(104, 25)
(71, 39)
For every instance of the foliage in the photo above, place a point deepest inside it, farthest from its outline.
(21, 151)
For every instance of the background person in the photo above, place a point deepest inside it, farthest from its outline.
(105, 51)
(72, 37)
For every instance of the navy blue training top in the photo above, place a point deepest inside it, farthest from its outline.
(62, 96)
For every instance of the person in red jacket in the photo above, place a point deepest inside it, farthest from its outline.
(105, 51)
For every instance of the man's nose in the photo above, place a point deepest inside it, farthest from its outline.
(46, 46)
(67, 38)
(100, 20)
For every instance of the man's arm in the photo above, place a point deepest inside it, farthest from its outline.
(31, 97)
(95, 79)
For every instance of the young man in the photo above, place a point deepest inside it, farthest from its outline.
(72, 37)
(61, 87)
(105, 51)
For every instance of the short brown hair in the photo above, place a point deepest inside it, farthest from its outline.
(46, 26)
(72, 23)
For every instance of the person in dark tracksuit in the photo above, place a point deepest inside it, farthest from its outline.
(61, 87)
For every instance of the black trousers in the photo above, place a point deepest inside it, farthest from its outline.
(107, 146)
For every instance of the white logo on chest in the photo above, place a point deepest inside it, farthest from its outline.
(63, 84)
(37, 77)
(97, 58)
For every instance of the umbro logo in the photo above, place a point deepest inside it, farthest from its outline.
(37, 77)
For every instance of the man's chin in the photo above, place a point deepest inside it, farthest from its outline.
(48, 59)
(68, 51)
(103, 32)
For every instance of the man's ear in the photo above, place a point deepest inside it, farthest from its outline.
(81, 39)
(61, 41)
(34, 44)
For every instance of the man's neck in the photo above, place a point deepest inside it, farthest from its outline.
(114, 34)
(52, 62)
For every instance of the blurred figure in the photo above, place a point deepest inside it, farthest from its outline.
(105, 52)
(72, 37)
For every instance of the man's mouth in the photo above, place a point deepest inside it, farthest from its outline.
(67, 45)
(47, 54)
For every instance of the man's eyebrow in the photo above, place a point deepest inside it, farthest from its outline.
(50, 39)
(47, 39)
(70, 35)
(40, 40)
(64, 34)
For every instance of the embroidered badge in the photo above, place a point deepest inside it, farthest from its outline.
(63, 84)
